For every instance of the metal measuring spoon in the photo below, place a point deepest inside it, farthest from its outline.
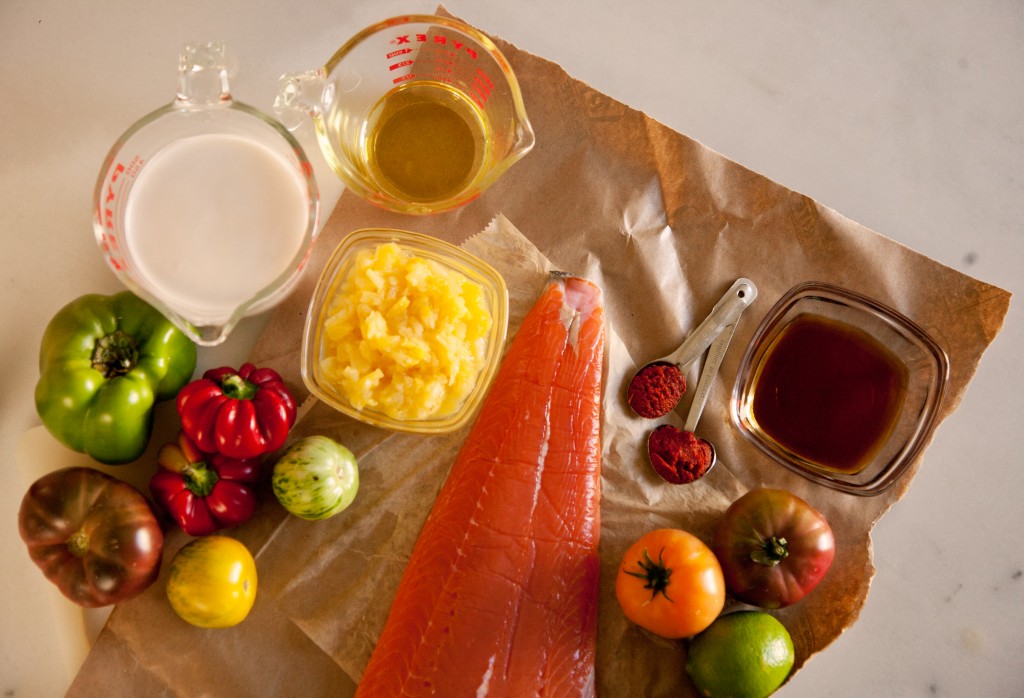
(726, 311)
(687, 433)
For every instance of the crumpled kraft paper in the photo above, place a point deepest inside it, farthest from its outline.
(665, 225)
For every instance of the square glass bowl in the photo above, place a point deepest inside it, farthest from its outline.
(839, 388)
(338, 268)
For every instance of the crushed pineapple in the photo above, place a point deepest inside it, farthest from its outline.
(404, 335)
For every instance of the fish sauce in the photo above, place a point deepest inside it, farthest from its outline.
(829, 393)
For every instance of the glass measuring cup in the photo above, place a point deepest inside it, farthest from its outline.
(207, 208)
(417, 114)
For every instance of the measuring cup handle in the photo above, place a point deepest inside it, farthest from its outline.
(726, 311)
(204, 73)
(299, 95)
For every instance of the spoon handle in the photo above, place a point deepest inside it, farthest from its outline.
(707, 377)
(726, 311)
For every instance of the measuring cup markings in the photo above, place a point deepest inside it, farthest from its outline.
(106, 206)
(482, 88)
(437, 39)
(109, 244)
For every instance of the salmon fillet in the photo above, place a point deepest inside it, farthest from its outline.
(500, 594)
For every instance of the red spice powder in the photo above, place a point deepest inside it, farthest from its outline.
(678, 455)
(655, 389)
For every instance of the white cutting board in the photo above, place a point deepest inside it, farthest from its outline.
(66, 628)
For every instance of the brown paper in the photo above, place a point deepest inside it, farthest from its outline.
(665, 226)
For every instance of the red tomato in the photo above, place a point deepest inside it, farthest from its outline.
(670, 583)
(774, 548)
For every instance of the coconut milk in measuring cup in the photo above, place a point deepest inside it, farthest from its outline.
(206, 208)
(417, 114)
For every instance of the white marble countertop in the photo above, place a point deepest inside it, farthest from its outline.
(907, 117)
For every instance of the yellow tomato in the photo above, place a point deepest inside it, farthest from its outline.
(670, 583)
(212, 582)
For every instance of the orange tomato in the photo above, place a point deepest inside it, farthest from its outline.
(670, 583)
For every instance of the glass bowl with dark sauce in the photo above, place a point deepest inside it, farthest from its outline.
(839, 388)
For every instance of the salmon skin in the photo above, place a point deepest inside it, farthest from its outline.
(500, 594)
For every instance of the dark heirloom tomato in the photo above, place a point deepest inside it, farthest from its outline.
(92, 535)
(774, 548)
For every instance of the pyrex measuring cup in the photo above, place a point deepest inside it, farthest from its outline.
(206, 208)
(417, 114)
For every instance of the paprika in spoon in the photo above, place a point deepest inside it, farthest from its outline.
(679, 456)
(656, 388)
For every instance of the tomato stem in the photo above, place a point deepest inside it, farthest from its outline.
(771, 552)
(656, 574)
(78, 543)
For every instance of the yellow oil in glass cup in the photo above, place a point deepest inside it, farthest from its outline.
(417, 114)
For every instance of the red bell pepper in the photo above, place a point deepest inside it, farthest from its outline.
(242, 414)
(203, 492)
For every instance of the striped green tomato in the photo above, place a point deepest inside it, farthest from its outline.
(316, 478)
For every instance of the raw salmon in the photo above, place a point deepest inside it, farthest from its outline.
(500, 594)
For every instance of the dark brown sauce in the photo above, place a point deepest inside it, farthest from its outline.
(829, 393)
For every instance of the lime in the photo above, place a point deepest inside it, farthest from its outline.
(747, 654)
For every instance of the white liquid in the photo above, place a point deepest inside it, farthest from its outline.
(212, 220)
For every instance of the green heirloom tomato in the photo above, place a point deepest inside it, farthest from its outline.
(103, 363)
(316, 478)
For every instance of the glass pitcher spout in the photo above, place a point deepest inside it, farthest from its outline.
(203, 335)
(525, 137)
